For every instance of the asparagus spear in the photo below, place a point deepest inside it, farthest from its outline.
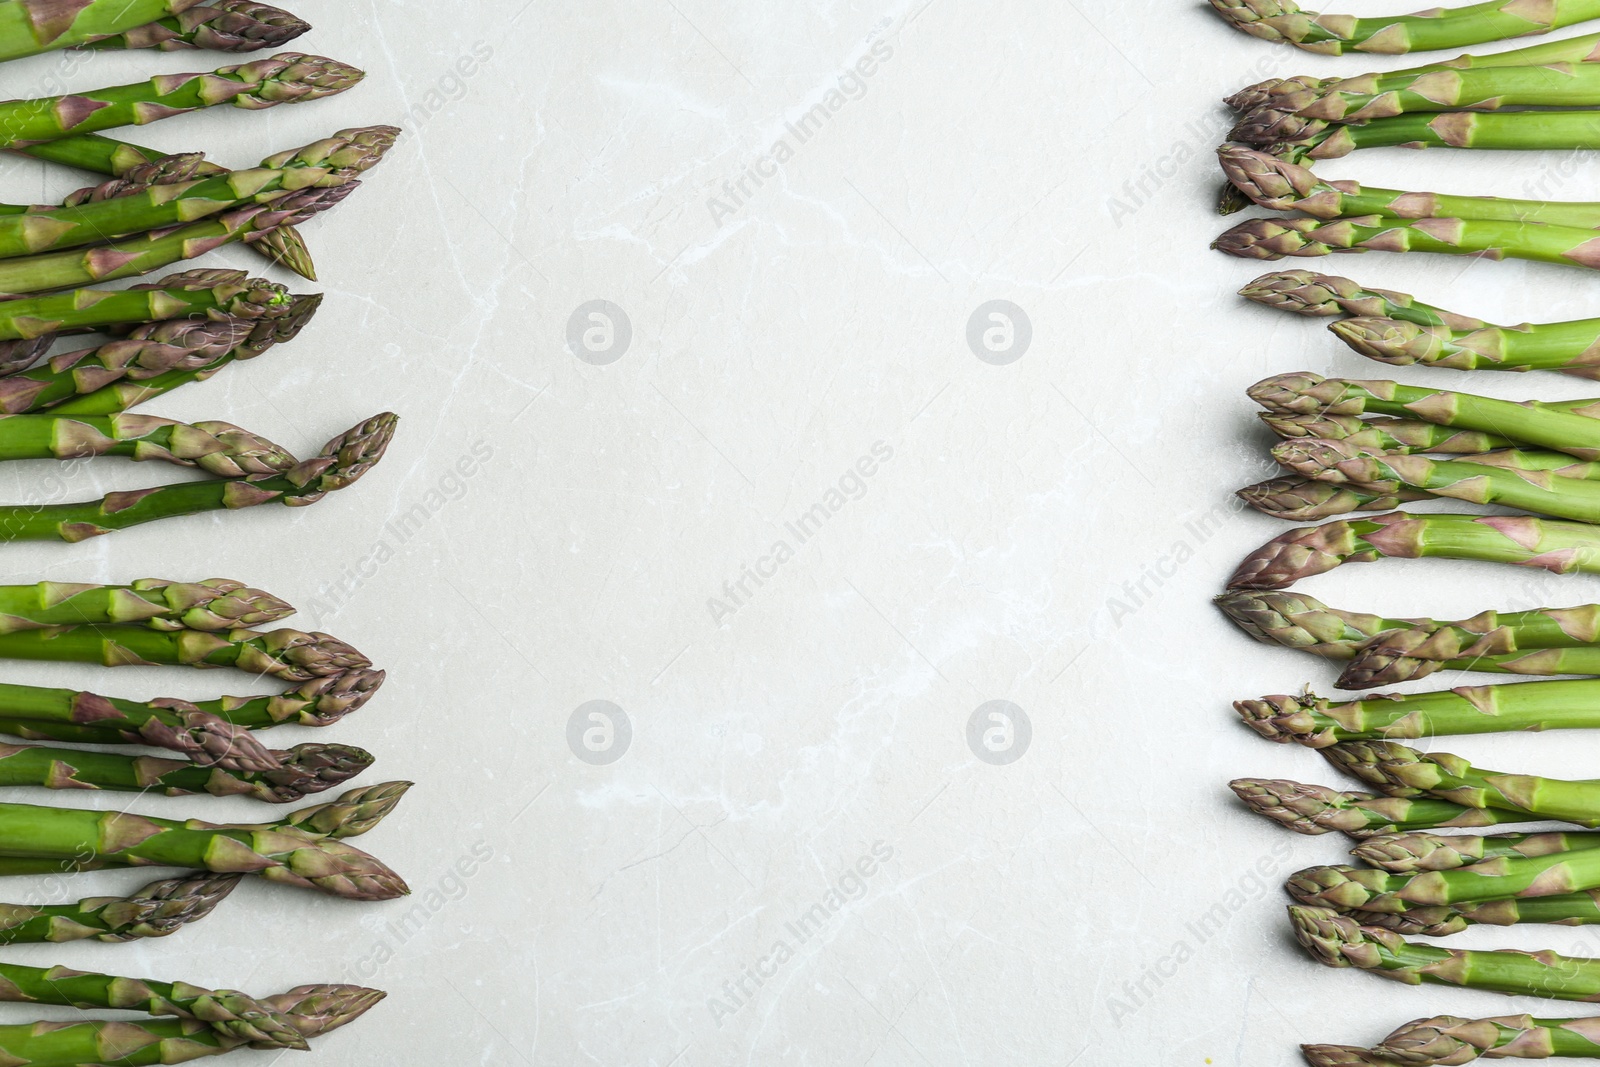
(217, 26)
(1317, 722)
(230, 1013)
(214, 604)
(1304, 292)
(154, 911)
(1301, 499)
(1406, 656)
(279, 853)
(210, 731)
(341, 463)
(1276, 238)
(1517, 348)
(142, 253)
(1284, 186)
(28, 27)
(301, 771)
(1284, 21)
(313, 1010)
(325, 164)
(1294, 620)
(1515, 878)
(1396, 770)
(1328, 458)
(282, 653)
(1566, 427)
(219, 448)
(288, 77)
(1383, 434)
(1316, 809)
(1446, 1039)
(186, 294)
(1338, 941)
(1412, 853)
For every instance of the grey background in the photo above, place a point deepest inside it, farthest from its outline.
(797, 768)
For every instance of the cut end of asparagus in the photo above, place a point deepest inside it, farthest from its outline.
(1284, 718)
(1337, 941)
(1300, 553)
(162, 907)
(343, 460)
(317, 1009)
(1305, 809)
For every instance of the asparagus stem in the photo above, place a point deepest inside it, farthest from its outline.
(206, 293)
(1276, 238)
(1304, 499)
(215, 604)
(1402, 436)
(28, 27)
(1412, 853)
(154, 911)
(282, 653)
(1316, 809)
(1494, 20)
(216, 25)
(300, 771)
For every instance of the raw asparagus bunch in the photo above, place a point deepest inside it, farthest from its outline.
(214, 604)
(1317, 722)
(216, 26)
(288, 77)
(1277, 238)
(1338, 941)
(1418, 851)
(210, 732)
(77, 839)
(312, 1010)
(1562, 547)
(341, 463)
(157, 910)
(1396, 770)
(231, 1014)
(1305, 499)
(299, 772)
(283, 653)
(325, 164)
(1284, 21)
(1567, 427)
(1317, 809)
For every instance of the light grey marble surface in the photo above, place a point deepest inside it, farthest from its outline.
(798, 509)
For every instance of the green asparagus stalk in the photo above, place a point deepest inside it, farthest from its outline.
(341, 463)
(154, 911)
(313, 1010)
(1304, 292)
(1518, 348)
(214, 604)
(1317, 722)
(1442, 920)
(1316, 809)
(1276, 238)
(1283, 21)
(1381, 434)
(219, 448)
(1447, 1039)
(325, 164)
(128, 257)
(1567, 427)
(230, 1013)
(28, 27)
(1515, 878)
(1505, 130)
(1304, 499)
(351, 815)
(1413, 853)
(288, 77)
(1396, 770)
(1404, 656)
(216, 26)
(1560, 547)
(210, 731)
(1294, 620)
(1284, 186)
(279, 853)
(1338, 941)
(301, 771)
(208, 293)
(1326, 458)
(283, 653)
